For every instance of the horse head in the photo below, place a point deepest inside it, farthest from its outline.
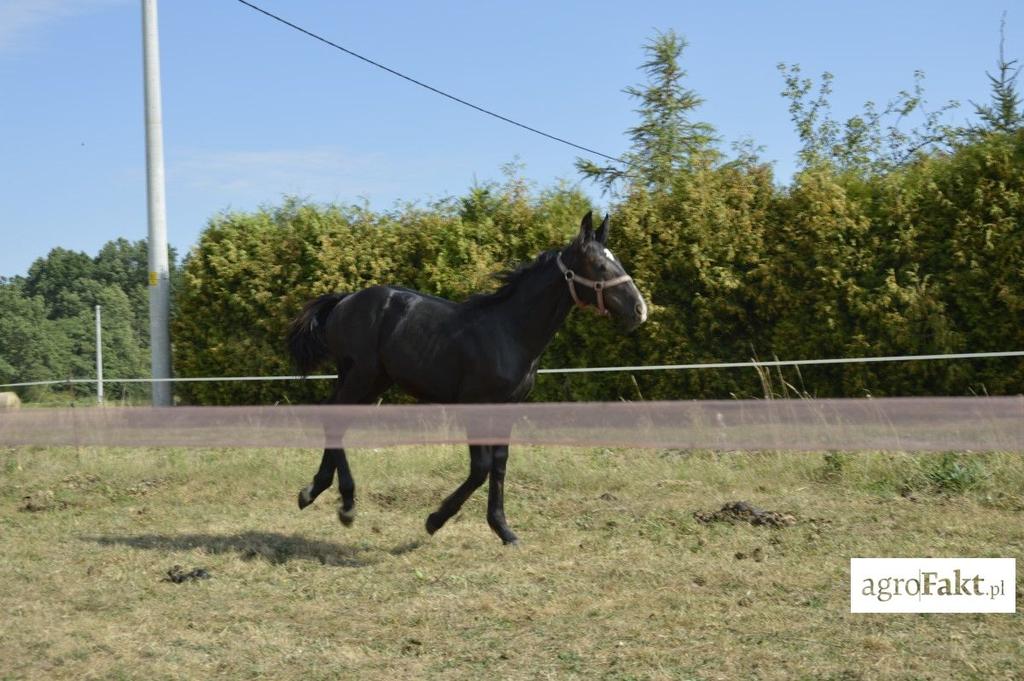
(587, 263)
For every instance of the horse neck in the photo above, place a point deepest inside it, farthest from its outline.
(537, 309)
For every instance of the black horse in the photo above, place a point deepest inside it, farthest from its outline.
(483, 350)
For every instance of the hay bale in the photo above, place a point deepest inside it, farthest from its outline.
(9, 401)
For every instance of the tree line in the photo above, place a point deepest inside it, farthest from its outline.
(47, 322)
(887, 241)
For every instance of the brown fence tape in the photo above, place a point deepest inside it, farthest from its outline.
(899, 424)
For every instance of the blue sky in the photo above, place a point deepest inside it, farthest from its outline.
(254, 111)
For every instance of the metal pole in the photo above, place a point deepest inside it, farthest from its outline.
(99, 356)
(159, 276)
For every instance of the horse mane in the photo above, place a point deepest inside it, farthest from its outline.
(511, 281)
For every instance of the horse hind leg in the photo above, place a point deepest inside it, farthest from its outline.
(325, 474)
(321, 481)
(353, 387)
(334, 459)
(347, 489)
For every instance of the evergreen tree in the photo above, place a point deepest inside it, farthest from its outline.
(1004, 113)
(667, 139)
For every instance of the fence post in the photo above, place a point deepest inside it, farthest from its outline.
(99, 357)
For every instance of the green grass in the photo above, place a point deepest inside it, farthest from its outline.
(615, 578)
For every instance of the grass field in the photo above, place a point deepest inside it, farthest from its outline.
(615, 579)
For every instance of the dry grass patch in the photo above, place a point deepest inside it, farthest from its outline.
(616, 578)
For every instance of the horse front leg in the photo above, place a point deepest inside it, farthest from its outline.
(496, 497)
(479, 467)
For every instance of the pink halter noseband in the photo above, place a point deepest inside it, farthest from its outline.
(571, 278)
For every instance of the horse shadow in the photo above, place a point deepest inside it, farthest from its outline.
(273, 547)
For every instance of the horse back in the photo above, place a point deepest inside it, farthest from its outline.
(432, 348)
(402, 333)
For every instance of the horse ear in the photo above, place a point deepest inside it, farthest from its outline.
(586, 228)
(602, 231)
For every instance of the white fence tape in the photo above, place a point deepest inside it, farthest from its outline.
(572, 370)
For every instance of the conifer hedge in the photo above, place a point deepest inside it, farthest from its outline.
(927, 257)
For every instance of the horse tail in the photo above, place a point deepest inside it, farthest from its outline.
(306, 340)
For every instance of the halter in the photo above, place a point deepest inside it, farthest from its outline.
(571, 278)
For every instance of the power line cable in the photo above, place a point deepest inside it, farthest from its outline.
(433, 89)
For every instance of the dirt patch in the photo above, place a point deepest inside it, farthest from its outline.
(757, 555)
(85, 481)
(144, 487)
(42, 500)
(177, 575)
(383, 499)
(743, 512)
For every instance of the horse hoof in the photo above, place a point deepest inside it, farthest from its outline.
(305, 497)
(347, 517)
(511, 543)
(432, 524)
